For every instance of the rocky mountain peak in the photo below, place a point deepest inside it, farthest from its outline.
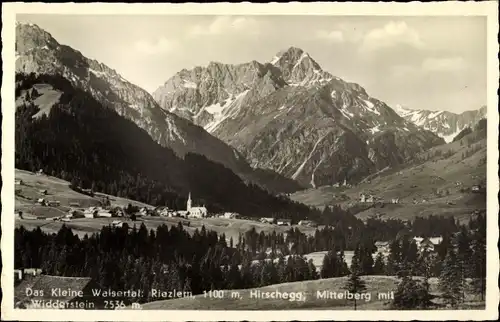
(30, 36)
(298, 68)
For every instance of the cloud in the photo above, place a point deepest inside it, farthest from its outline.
(444, 64)
(429, 65)
(227, 24)
(162, 45)
(336, 36)
(392, 34)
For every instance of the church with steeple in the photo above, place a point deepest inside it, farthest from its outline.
(195, 212)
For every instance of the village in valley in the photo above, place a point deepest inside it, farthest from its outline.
(219, 185)
(54, 204)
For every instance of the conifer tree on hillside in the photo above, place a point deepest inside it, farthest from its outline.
(411, 294)
(355, 285)
(464, 257)
(478, 268)
(450, 280)
(379, 265)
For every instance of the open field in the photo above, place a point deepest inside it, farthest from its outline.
(242, 299)
(58, 190)
(47, 99)
(434, 184)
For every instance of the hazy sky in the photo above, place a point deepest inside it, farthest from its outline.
(418, 62)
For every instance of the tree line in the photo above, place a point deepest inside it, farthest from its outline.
(171, 258)
(93, 147)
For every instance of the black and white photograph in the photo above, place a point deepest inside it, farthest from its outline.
(239, 161)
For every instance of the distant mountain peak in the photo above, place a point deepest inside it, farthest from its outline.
(443, 123)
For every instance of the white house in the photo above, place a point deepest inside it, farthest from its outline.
(309, 223)
(54, 203)
(284, 222)
(195, 212)
(267, 220)
(104, 213)
(231, 215)
(366, 198)
(117, 223)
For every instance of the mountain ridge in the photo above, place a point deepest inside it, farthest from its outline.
(267, 110)
(445, 124)
(38, 52)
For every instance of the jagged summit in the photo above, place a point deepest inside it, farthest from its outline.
(443, 123)
(291, 116)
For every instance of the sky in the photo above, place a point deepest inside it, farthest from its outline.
(434, 63)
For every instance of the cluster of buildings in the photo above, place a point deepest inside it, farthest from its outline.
(287, 222)
(344, 184)
(364, 198)
(423, 244)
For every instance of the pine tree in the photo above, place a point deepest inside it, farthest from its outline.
(411, 294)
(478, 269)
(464, 257)
(379, 266)
(450, 280)
(355, 285)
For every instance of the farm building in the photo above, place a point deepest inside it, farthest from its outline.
(90, 214)
(309, 223)
(32, 271)
(18, 182)
(395, 200)
(117, 223)
(382, 247)
(104, 214)
(75, 214)
(366, 198)
(267, 220)
(476, 188)
(43, 191)
(231, 215)
(427, 243)
(284, 222)
(41, 201)
(54, 203)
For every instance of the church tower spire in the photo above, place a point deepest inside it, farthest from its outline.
(188, 206)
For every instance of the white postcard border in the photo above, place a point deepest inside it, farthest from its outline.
(447, 8)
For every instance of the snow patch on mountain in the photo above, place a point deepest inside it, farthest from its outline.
(442, 123)
(222, 112)
(371, 107)
(190, 84)
(448, 138)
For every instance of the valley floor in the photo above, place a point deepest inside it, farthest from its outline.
(441, 185)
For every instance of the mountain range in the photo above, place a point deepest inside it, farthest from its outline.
(290, 116)
(38, 52)
(284, 124)
(443, 123)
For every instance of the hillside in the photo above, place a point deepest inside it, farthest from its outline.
(29, 191)
(84, 142)
(438, 182)
(292, 117)
(375, 285)
(39, 53)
